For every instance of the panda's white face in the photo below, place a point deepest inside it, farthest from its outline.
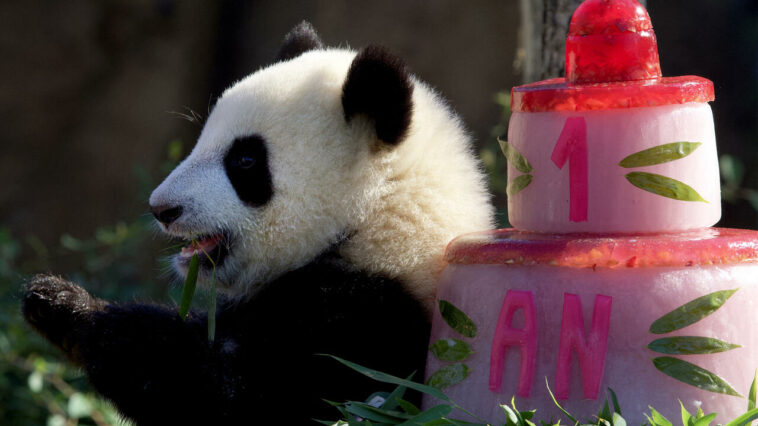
(325, 144)
(277, 175)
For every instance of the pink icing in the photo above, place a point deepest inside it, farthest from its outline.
(572, 146)
(590, 349)
(506, 335)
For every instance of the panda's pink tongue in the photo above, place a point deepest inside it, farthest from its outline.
(203, 246)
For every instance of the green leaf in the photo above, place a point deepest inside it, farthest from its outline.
(563, 410)
(691, 312)
(744, 419)
(518, 184)
(387, 378)
(78, 406)
(663, 186)
(456, 319)
(686, 416)
(189, 286)
(656, 419)
(517, 160)
(450, 350)
(377, 414)
(704, 420)
(615, 401)
(751, 397)
(391, 400)
(448, 375)
(435, 413)
(408, 407)
(690, 345)
(618, 420)
(511, 418)
(693, 375)
(660, 154)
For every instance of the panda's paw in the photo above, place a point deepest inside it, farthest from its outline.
(51, 305)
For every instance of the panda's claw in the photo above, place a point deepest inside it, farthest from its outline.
(51, 305)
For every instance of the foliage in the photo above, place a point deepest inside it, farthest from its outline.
(392, 410)
(37, 385)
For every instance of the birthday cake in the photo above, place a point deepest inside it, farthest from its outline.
(612, 277)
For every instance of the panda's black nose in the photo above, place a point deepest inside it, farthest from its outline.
(166, 214)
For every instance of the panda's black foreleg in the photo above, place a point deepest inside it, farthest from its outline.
(156, 368)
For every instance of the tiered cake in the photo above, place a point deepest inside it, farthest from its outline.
(612, 277)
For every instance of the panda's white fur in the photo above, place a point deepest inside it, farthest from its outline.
(400, 205)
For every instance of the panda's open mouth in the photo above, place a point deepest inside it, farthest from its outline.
(210, 248)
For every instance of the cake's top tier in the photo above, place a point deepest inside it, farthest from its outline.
(611, 62)
(614, 147)
(710, 246)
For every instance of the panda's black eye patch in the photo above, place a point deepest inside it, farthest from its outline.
(246, 165)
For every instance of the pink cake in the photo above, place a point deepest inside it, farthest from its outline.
(612, 277)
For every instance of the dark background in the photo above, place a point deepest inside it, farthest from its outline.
(87, 87)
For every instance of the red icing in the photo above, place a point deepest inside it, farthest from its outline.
(709, 246)
(572, 146)
(611, 62)
(611, 40)
(590, 350)
(506, 335)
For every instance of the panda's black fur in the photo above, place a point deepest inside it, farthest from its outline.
(263, 366)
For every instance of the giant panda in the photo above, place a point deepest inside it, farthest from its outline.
(325, 188)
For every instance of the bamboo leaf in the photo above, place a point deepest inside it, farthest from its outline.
(615, 401)
(618, 420)
(408, 407)
(657, 418)
(691, 312)
(686, 416)
(693, 375)
(450, 350)
(660, 154)
(456, 319)
(663, 186)
(188, 292)
(744, 419)
(704, 420)
(387, 378)
(448, 375)
(518, 184)
(435, 413)
(517, 160)
(690, 345)
(372, 413)
(560, 407)
(751, 398)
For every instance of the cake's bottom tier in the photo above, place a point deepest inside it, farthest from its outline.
(583, 331)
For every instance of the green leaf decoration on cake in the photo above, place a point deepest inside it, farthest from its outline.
(660, 154)
(456, 319)
(693, 375)
(448, 375)
(691, 312)
(517, 160)
(664, 186)
(690, 345)
(451, 350)
(516, 185)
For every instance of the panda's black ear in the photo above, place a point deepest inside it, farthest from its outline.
(379, 86)
(299, 40)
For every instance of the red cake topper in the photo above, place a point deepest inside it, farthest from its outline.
(611, 62)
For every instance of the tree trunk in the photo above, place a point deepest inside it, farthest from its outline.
(544, 25)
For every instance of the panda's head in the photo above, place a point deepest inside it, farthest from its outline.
(293, 159)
